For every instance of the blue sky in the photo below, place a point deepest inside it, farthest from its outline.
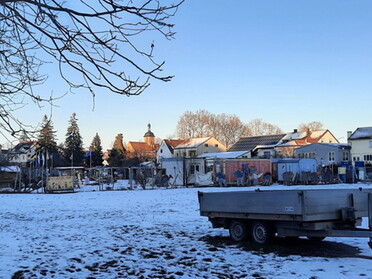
(287, 62)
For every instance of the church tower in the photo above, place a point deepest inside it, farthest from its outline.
(149, 137)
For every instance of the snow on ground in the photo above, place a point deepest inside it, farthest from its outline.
(152, 234)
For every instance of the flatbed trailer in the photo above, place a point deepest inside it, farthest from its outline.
(314, 213)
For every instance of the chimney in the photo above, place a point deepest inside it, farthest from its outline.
(349, 134)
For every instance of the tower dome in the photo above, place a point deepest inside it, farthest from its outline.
(149, 137)
(149, 133)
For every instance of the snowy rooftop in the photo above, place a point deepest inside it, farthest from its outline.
(317, 134)
(10, 169)
(362, 133)
(302, 135)
(224, 155)
(294, 136)
(192, 143)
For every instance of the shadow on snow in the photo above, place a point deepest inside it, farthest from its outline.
(285, 247)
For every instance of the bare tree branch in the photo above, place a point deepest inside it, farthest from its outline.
(97, 44)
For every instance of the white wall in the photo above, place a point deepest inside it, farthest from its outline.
(163, 152)
(361, 147)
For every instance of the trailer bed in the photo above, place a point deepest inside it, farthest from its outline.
(306, 205)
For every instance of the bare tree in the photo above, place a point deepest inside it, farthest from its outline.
(225, 128)
(214, 126)
(203, 119)
(311, 126)
(97, 44)
(186, 126)
(196, 124)
(258, 127)
(231, 129)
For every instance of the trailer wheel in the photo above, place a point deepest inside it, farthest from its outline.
(261, 232)
(316, 238)
(238, 230)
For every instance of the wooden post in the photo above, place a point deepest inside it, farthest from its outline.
(130, 179)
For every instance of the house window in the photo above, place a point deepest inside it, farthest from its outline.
(345, 156)
(370, 144)
(184, 154)
(206, 145)
(192, 153)
(266, 154)
(216, 145)
(331, 156)
(367, 157)
(161, 150)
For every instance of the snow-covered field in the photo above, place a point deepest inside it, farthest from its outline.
(152, 234)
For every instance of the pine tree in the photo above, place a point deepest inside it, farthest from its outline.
(118, 144)
(74, 142)
(47, 138)
(96, 151)
(116, 158)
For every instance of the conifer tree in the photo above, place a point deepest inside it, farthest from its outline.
(118, 144)
(116, 158)
(47, 138)
(96, 151)
(74, 142)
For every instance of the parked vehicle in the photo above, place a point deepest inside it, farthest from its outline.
(314, 213)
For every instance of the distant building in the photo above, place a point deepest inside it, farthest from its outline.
(281, 145)
(294, 140)
(146, 150)
(191, 148)
(22, 153)
(325, 153)
(361, 144)
(258, 146)
(166, 149)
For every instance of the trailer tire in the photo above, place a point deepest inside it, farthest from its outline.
(261, 232)
(238, 230)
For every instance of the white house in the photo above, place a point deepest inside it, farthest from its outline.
(192, 148)
(166, 148)
(361, 144)
(180, 159)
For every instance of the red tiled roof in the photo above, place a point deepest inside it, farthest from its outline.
(143, 146)
(173, 143)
